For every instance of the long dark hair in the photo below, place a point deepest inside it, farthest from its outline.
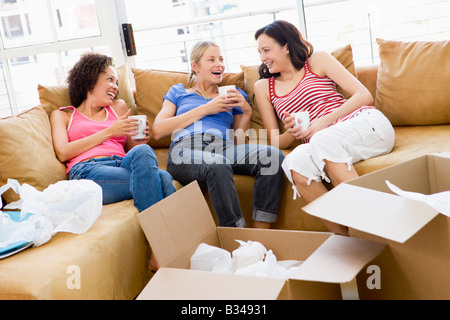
(284, 33)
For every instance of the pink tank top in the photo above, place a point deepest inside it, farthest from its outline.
(80, 127)
(314, 94)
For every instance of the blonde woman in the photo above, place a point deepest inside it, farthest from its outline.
(203, 126)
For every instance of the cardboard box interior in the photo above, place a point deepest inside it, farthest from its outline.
(175, 230)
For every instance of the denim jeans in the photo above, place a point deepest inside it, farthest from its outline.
(212, 161)
(135, 176)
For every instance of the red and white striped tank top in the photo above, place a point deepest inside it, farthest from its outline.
(314, 94)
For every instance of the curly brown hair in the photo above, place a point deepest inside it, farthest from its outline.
(84, 75)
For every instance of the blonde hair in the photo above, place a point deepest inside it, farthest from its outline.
(196, 54)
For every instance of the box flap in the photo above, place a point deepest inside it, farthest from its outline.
(441, 170)
(181, 284)
(338, 260)
(385, 215)
(177, 223)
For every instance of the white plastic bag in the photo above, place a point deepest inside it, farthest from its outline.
(66, 206)
(265, 268)
(210, 258)
(250, 259)
(248, 253)
(17, 233)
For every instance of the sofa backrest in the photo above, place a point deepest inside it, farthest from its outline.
(54, 97)
(151, 85)
(367, 75)
(413, 82)
(27, 154)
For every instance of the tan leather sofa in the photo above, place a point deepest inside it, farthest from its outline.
(414, 97)
(107, 262)
(410, 85)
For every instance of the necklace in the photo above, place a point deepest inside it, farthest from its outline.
(202, 93)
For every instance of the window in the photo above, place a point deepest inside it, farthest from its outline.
(332, 24)
(163, 40)
(40, 40)
(164, 34)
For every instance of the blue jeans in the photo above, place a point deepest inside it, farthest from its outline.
(213, 161)
(135, 176)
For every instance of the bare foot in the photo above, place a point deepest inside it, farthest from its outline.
(153, 264)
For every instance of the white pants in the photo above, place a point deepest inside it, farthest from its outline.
(368, 134)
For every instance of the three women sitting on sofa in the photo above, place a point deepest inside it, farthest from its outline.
(203, 125)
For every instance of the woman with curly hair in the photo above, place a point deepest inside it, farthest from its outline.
(94, 138)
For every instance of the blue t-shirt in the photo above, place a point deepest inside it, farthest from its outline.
(217, 124)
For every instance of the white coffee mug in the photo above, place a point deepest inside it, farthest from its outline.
(302, 118)
(223, 91)
(142, 125)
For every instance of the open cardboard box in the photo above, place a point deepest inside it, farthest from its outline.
(176, 226)
(416, 264)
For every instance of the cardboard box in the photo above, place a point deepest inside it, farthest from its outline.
(416, 264)
(176, 226)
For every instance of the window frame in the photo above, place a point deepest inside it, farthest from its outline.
(123, 18)
(110, 35)
(111, 15)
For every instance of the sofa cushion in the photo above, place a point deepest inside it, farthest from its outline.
(54, 97)
(344, 55)
(251, 76)
(367, 75)
(413, 82)
(27, 153)
(152, 85)
(410, 142)
(107, 262)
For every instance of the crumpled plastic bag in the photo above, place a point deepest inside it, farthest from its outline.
(15, 233)
(265, 268)
(66, 206)
(248, 253)
(210, 258)
(250, 259)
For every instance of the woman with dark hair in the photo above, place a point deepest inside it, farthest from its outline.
(287, 35)
(94, 138)
(338, 133)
